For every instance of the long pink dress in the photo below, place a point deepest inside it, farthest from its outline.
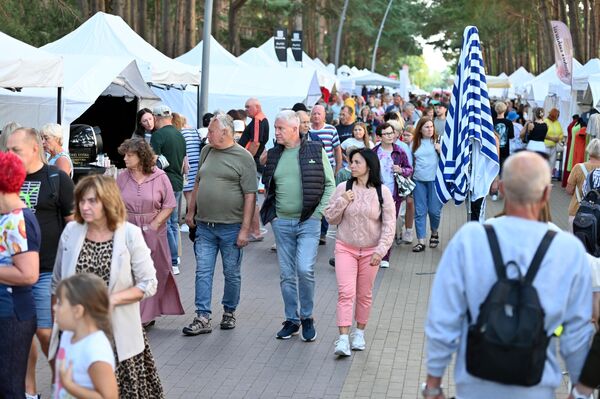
(143, 202)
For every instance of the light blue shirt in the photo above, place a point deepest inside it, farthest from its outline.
(406, 149)
(426, 161)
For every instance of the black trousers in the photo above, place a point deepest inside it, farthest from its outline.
(15, 342)
(590, 374)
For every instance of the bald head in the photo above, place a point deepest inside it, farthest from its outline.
(252, 107)
(525, 176)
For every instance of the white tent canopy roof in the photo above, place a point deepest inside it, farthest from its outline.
(257, 57)
(109, 35)
(375, 79)
(519, 77)
(86, 78)
(581, 77)
(218, 55)
(538, 88)
(22, 65)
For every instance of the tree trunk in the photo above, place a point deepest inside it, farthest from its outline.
(141, 16)
(596, 25)
(85, 8)
(575, 29)
(190, 25)
(547, 38)
(586, 30)
(179, 38)
(167, 41)
(234, 36)
(119, 8)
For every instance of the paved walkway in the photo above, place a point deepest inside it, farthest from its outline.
(248, 362)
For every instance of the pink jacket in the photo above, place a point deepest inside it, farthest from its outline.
(359, 222)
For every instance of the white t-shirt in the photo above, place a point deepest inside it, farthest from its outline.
(353, 142)
(93, 348)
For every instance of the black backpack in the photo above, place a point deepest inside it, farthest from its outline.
(508, 342)
(586, 225)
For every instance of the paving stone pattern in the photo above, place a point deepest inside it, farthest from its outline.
(248, 362)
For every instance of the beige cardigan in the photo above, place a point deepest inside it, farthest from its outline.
(131, 266)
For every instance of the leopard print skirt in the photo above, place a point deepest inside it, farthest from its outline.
(137, 376)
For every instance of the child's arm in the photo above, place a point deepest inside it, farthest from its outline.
(102, 376)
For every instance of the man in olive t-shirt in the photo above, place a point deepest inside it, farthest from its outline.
(225, 192)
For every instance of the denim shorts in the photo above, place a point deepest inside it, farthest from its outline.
(42, 298)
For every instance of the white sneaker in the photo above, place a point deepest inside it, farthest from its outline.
(274, 248)
(184, 228)
(342, 347)
(407, 237)
(175, 270)
(358, 342)
(384, 264)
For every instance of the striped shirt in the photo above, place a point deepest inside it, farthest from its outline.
(329, 137)
(192, 147)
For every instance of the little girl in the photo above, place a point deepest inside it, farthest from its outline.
(85, 359)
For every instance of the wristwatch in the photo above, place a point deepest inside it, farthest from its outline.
(426, 392)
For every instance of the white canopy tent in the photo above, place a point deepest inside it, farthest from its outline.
(257, 57)
(538, 88)
(326, 78)
(518, 79)
(109, 35)
(85, 79)
(22, 65)
(581, 76)
(218, 55)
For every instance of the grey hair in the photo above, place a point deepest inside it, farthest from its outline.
(54, 130)
(289, 116)
(300, 112)
(525, 176)
(225, 122)
(7, 130)
(593, 148)
(408, 107)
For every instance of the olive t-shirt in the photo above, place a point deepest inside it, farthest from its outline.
(223, 178)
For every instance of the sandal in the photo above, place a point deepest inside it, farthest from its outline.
(434, 241)
(419, 248)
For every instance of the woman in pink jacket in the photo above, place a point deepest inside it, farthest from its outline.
(364, 210)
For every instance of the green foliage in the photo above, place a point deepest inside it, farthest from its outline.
(38, 22)
(421, 75)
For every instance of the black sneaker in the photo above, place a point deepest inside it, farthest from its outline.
(228, 321)
(309, 333)
(288, 330)
(200, 325)
(332, 262)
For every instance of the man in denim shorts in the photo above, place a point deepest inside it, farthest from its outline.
(48, 191)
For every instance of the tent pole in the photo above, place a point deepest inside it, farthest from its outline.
(198, 116)
(58, 107)
(208, 8)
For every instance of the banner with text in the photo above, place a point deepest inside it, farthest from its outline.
(297, 45)
(563, 51)
(281, 44)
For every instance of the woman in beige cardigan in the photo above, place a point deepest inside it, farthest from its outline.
(100, 241)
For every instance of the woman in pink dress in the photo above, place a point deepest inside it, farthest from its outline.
(149, 200)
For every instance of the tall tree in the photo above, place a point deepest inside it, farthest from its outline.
(232, 23)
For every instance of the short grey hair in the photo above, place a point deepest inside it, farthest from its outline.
(525, 176)
(289, 116)
(225, 122)
(593, 148)
(7, 130)
(408, 107)
(300, 113)
(53, 130)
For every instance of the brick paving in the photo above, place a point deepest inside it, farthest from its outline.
(248, 362)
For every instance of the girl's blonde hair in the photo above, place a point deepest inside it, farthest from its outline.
(91, 292)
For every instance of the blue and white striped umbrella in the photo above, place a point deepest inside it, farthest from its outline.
(468, 161)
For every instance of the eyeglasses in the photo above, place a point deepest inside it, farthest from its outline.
(387, 134)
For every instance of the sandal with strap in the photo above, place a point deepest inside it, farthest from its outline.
(419, 248)
(434, 241)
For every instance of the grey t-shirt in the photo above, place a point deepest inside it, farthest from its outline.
(223, 179)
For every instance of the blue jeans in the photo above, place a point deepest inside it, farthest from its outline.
(173, 230)
(324, 226)
(426, 203)
(297, 245)
(41, 292)
(210, 239)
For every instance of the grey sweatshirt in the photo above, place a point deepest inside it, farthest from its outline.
(465, 276)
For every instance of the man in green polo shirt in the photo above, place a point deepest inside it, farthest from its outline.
(169, 142)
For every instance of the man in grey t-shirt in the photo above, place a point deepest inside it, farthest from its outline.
(224, 193)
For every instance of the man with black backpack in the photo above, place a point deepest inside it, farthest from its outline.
(501, 307)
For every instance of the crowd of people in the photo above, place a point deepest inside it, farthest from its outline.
(88, 267)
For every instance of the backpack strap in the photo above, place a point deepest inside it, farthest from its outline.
(496, 254)
(539, 256)
(578, 191)
(349, 184)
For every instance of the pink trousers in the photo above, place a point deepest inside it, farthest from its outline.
(355, 278)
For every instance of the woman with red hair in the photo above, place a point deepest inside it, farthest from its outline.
(553, 137)
(19, 268)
